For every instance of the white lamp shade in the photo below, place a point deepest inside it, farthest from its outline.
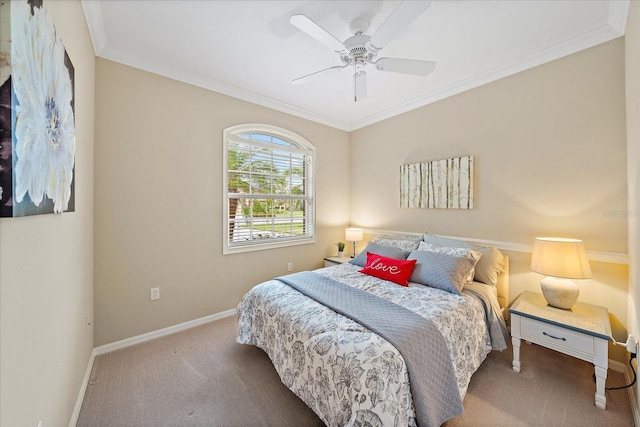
(353, 234)
(559, 257)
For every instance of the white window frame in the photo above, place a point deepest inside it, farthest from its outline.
(300, 145)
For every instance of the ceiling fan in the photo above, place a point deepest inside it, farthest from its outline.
(361, 49)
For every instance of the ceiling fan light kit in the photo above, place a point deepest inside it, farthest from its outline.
(362, 49)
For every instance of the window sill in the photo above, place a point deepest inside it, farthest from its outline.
(252, 247)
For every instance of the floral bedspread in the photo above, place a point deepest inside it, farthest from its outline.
(346, 374)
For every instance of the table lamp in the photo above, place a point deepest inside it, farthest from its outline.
(353, 235)
(560, 259)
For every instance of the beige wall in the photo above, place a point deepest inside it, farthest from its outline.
(46, 272)
(158, 217)
(550, 159)
(549, 145)
(632, 77)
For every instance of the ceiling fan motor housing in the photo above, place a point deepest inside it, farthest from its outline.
(357, 50)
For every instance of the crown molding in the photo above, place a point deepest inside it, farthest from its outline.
(193, 79)
(93, 16)
(618, 11)
(587, 40)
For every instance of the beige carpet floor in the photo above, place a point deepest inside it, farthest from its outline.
(202, 377)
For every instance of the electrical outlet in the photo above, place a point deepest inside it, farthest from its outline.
(155, 294)
(632, 344)
(289, 266)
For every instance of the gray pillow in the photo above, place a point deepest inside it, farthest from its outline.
(439, 270)
(459, 252)
(489, 265)
(374, 248)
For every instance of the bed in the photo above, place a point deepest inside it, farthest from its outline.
(409, 357)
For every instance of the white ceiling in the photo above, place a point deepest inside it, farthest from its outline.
(249, 50)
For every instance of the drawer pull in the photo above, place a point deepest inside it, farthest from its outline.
(555, 338)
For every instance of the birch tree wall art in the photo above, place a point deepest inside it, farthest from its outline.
(37, 121)
(445, 184)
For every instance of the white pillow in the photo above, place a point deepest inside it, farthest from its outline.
(404, 242)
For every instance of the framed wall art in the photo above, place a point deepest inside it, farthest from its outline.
(37, 120)
(444, 184)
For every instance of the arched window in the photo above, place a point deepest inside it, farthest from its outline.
(269, 188)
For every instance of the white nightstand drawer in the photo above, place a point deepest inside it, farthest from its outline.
(556, 337)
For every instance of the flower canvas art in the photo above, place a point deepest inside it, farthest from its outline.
(446, 184)
(37, 121)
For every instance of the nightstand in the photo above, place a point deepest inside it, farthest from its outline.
(582, 332)
(335, 260)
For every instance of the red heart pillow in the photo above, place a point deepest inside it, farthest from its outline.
(395, 270)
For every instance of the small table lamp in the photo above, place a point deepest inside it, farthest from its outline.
(561, 260)
(353, 235)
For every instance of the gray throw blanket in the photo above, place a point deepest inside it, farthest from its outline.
(433, 383)
(497, 328)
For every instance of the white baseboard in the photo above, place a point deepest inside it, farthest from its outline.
(161, 332)
(631, 391)
(133, 341)
(83, 390)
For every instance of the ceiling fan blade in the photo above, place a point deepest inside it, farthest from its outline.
(317, 32)
(406, 66)
(359, 86)
(402, 16)
(313, 76)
